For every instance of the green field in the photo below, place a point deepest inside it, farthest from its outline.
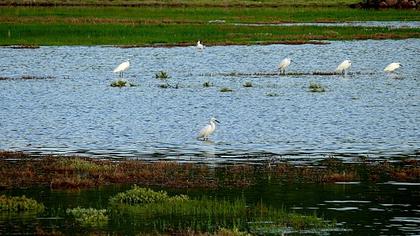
(183, 25)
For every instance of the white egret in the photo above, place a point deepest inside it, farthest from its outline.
(392, 67)
(199, 45)
(122, 67)
(343, 67)
(284, 64)
(208, 129)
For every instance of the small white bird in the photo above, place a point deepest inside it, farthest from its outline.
(199, 45)
(392, 67)
(343, 67)
(284, 64)
(208, 129)
(122, 67)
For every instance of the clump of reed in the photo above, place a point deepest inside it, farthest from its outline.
(19, 204)
(225, 90)
(247, 84)
(316, 88)
(121, 83)
(162, 75)
(89, 217)
(207, 84)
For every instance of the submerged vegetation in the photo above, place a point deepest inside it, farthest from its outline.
(19, 204)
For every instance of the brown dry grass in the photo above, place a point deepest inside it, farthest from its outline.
(23, 170)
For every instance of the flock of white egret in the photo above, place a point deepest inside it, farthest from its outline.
(211, 126)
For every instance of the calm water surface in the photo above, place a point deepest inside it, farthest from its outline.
(367, 113)
(358, 209)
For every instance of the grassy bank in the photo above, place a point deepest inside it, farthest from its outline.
(145, 26)
(143, 35)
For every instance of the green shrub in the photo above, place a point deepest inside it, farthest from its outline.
(18, 204)
(138, 195)
(89, 217)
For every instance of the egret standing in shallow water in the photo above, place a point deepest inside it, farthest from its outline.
(392, 67)
(208, 129)
(284, 64)
(122, 67)
(199, 45)
(343, 67)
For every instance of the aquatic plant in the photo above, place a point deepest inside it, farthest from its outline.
(119, 83)
(19, 203)
(161, 75)
(167, 85)
(89, 217)
(207, 84)
(209, 214)
(225, 89)
(272, 94)
(314, 87)
(247, 84)
(138, 195)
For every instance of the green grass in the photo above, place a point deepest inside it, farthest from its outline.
(185, 25)
(196, 15)
(205, 214)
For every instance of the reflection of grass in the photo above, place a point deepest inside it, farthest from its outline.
(207, 84)
(89, 217)
(19, 204)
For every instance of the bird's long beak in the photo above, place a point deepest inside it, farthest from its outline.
(217, 121)
(401, 65)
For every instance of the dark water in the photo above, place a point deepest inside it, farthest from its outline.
(368, 113)
(359, 209)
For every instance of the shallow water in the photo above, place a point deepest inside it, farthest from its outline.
(367, 113)
(358, 209)
(387, 24)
